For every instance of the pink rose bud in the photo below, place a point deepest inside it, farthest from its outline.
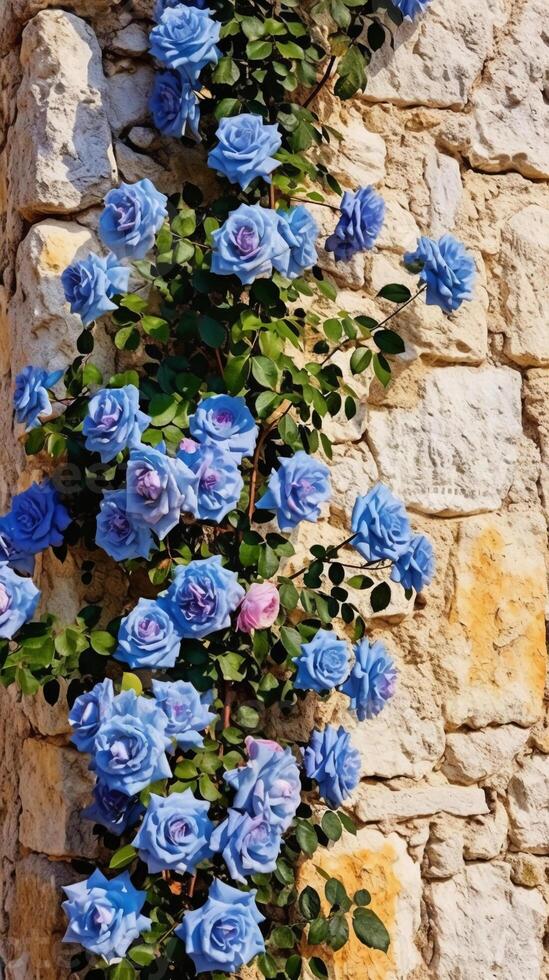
(259, 607)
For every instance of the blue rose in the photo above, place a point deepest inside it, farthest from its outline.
(249, 844)
(37, 519)
(300, 232)
(132, 215)
(381, 525)
(334, 763)
(104, 916)
(148, 637)
(416, 567)
(119, 533)
(296, 490)
(130, 745)
(174, 105)
(186, 710)
(225, 422)
(162, 5)
(223, 934)
(90, 284)
(447, 269)
(113, 810)
(31, 397)
(411, 8)
(372, 680)
(175, 833)
(249, 244)
(114, 422)
(202, 597)
(323, 662)
(186, 38)
(269, 782)
(362, 216)
(159, 489)
(88, 713)
(219, 482)
(20, 561)
(19, 598)
(245, 149)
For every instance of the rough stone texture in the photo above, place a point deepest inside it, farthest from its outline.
(452, 130)
(528, 810)
(456, 450)
(61, 154)
(485, 927)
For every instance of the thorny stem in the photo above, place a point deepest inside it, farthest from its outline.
(325, 78)
(253, 479)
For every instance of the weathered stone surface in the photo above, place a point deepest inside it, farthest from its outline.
(359, 157)
(128, 97)
(525, 286)
(536, 399)
(443, 178)
(483, 926)
(455, 452)
(375, 802)
(528, 806)
(352, 473)
(34, 949)
(437, 58)
(131, 40)
(444, 850)
(45, 718)
(460, 337)
(472, 756)
(382, 865)
(55, 780)
(492, 669)
(13, 730)
(485, 837)
(61, 156)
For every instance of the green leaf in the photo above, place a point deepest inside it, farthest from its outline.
(208, 789)
(288, 432)
(123, 856)
(34, 441)
(211, 331)
(336, 894)
(231, 664)
(184, 223)
(127, 338)
(265, 372)
(267, 965)
(318, 967)
(226, 72)
(382, 370)
(362, 897)
(318, 930)
(376, 36)
(247, 717)
(289, 595)
(282, 937)
(268, 561)
(360, 582)
(289, 49)
(142, 954)
(163, 409)
(360, 360)
(291, 641)
(157, 328)
(293, 966)
(333, 329)
(309, 903)
(103, 642)
(227, 107)
(380, 597)
(131, 682)
(259, 50)
(26, 681)
(395, 292)
(347, 822)
(352, 72)
(122, 971)
(338, 931)
(389, 342)
(306, 837)
(370, 929)
(91, 375)
(331, 825)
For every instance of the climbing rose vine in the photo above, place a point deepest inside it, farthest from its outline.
(191, 468)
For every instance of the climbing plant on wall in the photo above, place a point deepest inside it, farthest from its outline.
(190, 469)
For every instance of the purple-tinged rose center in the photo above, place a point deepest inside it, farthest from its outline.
(120, 525)
(224, 933)
(148, 629)
(198, 602)
(179, 829)
(224, 418)
(180, 711)
(123, 749)
(246, 240)
(127, 215)
(102, 916)
(148, 484)
(209, 480)
(5, 599)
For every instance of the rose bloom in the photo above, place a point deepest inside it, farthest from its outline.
(259, 607)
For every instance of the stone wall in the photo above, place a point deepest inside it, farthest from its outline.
(453, 129)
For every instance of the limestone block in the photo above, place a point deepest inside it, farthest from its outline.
(400, 231)
(14, 729)
(536, 399)
(443, 178)
(61, 155)
(45, 718)
(484, 837)
(42, 328)
(358, 158)
(436, 59)
(37, 922)
(131, 40)
(444, 850)
(428, 331)
(352, 473)
(527, 870)
(525, 286)
(375, 802)
(483, 926)
(128, 97)
(473, 756)
(492, 666)
(455, 452)
(528, 806)
(509, 111)
(382, 865)
(55, 786)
